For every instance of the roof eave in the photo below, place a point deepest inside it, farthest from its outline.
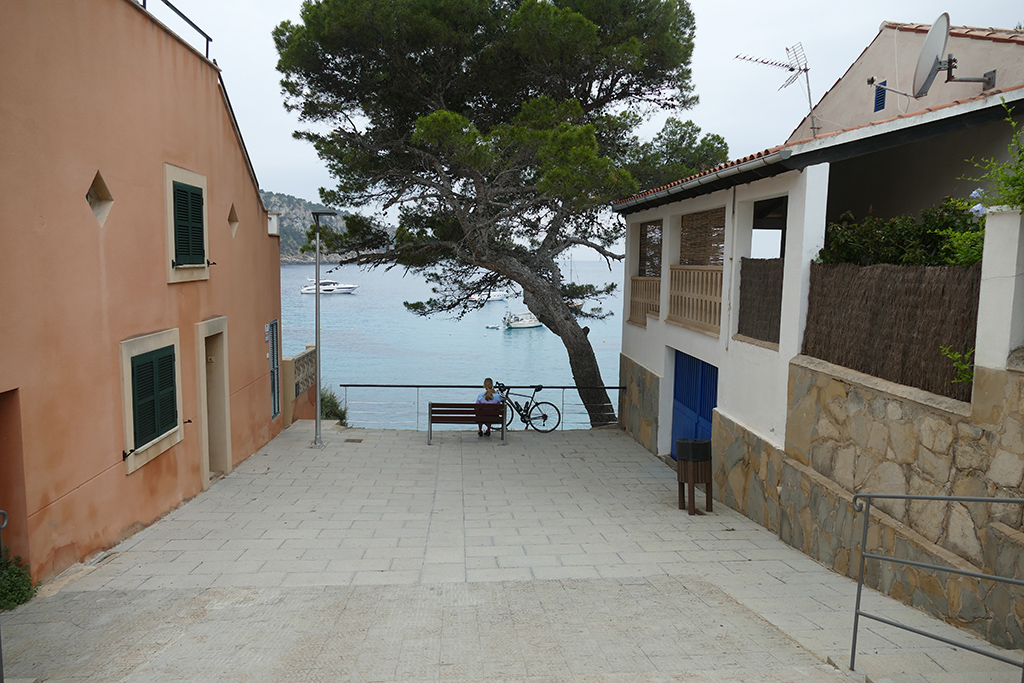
(747, 171)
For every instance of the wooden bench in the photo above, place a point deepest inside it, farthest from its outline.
(465, 414)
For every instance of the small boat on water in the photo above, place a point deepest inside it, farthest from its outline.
(519, 321)
(328, 287)
(489, 296)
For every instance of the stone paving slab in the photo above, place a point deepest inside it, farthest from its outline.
(558, 557)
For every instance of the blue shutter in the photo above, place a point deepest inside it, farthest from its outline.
(880, 96)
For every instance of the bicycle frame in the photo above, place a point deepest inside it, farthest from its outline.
(522, 410)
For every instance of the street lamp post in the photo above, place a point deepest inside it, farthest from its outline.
(317, 441)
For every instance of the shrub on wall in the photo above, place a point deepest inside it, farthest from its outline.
(1005, 178)
(948, 234)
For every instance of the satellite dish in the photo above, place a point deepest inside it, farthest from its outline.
(930, 60)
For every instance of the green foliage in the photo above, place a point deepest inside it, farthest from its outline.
(943, 235)
(331, 408)
(16, 585)
(961, 362)
(677, 152)
(962, 248)
(1005, 179)
(502, 130)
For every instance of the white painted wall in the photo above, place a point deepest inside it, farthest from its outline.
(753, 380)
(1001, 300)
(892, 57)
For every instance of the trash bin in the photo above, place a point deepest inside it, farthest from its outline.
(693, 465)
(696, 450)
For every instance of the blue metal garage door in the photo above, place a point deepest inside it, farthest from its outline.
(694, 397)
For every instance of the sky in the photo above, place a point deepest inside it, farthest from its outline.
(739, 100)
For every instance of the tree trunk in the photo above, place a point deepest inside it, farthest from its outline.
(586, 373)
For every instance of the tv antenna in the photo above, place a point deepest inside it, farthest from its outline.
(796, 65)
(930, 63)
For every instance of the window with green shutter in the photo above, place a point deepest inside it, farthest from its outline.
(189, 232)
(154, 400)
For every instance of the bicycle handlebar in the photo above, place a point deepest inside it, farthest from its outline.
(501, 387)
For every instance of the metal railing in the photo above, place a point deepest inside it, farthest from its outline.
(410, 411)
(190, 23)
(862, 503)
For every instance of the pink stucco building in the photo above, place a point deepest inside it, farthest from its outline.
(139, 355)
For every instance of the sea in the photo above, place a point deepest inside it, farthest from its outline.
(370, 338)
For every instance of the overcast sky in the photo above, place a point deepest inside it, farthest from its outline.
(738, 100)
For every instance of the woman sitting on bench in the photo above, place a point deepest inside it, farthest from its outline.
(489, 395)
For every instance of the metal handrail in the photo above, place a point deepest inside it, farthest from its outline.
(418, 387)
(862, 503)
(190, 23)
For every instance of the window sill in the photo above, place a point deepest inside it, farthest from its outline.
(151, 450)
(771, 346)
(188, 273)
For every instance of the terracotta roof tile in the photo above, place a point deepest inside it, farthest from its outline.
(751, 157)
(999, 35)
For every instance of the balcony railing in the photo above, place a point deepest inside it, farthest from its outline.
(644, 299)
(404, 406)
(695, 297)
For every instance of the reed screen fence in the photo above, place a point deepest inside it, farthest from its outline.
(760, 299)
(889, 321)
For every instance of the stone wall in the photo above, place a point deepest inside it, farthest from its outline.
(847, 433)
(638, 403)
(874, 436)
(746, 471)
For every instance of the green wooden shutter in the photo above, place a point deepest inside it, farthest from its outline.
(154, 398)
(189, 232)
(275, 371)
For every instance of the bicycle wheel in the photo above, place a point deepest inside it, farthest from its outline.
(510, 415)
(544, 417)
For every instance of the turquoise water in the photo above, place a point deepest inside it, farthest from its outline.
(369, 338)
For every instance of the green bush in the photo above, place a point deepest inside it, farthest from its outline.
(943, 235)
(331, 408)
(16, 585)
(1005, 178)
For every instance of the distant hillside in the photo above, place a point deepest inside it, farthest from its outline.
(296, 217)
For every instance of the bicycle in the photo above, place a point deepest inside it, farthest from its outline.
(541, 415)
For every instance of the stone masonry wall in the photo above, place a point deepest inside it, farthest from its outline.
(746, 471)
(638, 403)
(849, 433)
(870, 435)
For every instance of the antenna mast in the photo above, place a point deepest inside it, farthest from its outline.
(796, 65)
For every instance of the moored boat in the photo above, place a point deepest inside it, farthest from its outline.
(328, 287)
(489, 296)
(518, 321)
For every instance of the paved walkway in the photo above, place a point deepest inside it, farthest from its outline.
(560, 557)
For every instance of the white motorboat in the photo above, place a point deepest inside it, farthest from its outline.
(328, 287)
(489, 296)
(519, 321)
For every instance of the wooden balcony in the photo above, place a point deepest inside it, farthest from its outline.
(644, 299)
(695, 297)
